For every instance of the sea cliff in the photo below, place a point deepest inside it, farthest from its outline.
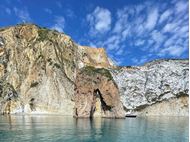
(44, 71)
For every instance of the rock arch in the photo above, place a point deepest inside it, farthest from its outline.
(96, 94)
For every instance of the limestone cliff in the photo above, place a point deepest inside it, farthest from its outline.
(95, 57)
(160, 87)
(40, 65)
(44, 71)
(38, 69)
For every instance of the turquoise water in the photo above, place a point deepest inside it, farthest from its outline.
(38, 128)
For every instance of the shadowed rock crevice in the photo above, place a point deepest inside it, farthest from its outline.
(104, 106)
(8, 97)
(32, 105)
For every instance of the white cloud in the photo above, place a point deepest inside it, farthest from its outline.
(154, 29)
(139, 42)
(158, 39)
(99, 20)
(152, 19)
(169, 27)
(118, 27)
(57, 28)
(175, 51)
(112, 39)
(170, 41)
(119, 52)
(139, 61)
(134, 60)
(165, 16)
(183, 30)
(181, 6)
(126, 32)
(139, 8)
(22, 14)
(59, 23)
(122, 20)
(157, 36)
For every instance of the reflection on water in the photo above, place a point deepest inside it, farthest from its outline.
(60, 128)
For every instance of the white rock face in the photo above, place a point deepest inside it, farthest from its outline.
(154, 82)
(170, 107)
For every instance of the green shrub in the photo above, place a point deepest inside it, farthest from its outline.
(93, 71)
(57, 65)
(43, 34)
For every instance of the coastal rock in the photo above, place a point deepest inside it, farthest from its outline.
(44, 71)
(41, 65)
(96, 94)
(144, 88)
(95, 57)
(171, 107)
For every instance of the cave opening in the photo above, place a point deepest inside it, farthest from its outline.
(31, 103)
(104, 106)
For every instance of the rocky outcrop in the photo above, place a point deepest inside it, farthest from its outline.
(40, 65)
(95, 57)
(155, 88)
(96, 94)
(44, 71)
(176, 106)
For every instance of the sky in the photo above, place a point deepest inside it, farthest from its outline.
(132, 32)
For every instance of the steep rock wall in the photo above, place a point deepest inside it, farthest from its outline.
(41, 65)
(154, 84)
(40, 73)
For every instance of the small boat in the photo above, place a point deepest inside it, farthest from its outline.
(130, 114)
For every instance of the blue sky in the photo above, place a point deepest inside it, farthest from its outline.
(131, 31)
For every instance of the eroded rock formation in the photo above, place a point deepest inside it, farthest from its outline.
(44, 71)
(96, 94)
(95, 57)
(40, 65)
(155, 88)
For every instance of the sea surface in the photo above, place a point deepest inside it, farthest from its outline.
(53, 128)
